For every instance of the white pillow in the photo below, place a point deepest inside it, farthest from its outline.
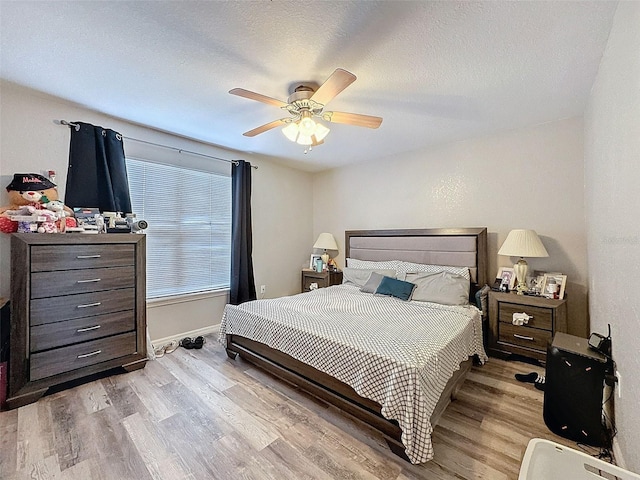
(445, 288)
(359, 276)
(372, 265)
(409, 267)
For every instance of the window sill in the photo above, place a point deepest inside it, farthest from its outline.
(190, 297)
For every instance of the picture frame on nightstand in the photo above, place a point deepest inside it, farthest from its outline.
(313, 260)
(507, 278)
(559, 279)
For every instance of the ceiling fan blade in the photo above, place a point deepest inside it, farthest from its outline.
(264, 128)
(337, 82)
(241, 92)
(352, 119)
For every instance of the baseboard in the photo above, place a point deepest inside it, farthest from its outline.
(191, 333)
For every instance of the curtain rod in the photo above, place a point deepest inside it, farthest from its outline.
(179, 150)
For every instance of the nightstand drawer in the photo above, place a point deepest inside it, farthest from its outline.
(307, 281)
(542, 317)
(322, 279)
(525, 336)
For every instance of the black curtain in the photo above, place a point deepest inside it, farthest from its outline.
(97, 174)
(243, 286)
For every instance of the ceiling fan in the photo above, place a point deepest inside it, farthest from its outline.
(304, 104)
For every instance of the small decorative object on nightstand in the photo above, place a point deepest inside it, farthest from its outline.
(312, 279)
(524, 325)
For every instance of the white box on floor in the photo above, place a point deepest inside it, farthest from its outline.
(546, 460)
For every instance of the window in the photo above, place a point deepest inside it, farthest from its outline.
(189, 234)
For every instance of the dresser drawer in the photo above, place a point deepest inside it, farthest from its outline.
(57, 309)
(53, 284)
(542, 317)
(70, 257)
(525, 336)
(61, 360)
(60, 334)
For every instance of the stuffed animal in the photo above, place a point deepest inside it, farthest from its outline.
(28, 190)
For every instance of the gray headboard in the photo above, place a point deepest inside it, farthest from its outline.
(460, 247)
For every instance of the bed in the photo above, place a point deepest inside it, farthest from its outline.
(392, 364)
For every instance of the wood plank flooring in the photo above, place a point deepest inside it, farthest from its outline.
(194, 414)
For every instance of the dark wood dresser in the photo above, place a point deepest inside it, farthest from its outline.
(78, 307)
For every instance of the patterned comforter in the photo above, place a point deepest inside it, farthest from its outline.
(399, 354)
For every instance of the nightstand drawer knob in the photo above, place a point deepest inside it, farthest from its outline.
(521, 319)
(523, 337)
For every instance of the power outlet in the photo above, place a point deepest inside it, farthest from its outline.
(619, 384)
(263, 288)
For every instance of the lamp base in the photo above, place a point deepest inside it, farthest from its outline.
(520, 270)
(325, 258)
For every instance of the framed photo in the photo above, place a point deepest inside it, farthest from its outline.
(548, 290)
(535, 282)
(507, 278)
(312, 261)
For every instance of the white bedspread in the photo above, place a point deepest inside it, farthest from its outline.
(399, 354)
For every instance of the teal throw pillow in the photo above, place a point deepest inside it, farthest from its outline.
(395, 288)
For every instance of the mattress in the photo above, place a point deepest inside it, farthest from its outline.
(399, 354)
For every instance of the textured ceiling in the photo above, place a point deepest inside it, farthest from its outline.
(435, 71)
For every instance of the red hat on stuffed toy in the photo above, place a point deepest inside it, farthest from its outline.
(28, 182)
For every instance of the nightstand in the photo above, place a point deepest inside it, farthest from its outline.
(546, 317)
(323, 279)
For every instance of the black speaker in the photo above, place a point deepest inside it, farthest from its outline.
(573, 391)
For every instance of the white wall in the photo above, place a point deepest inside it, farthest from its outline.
(530, 178)
(612, 172)
(30, 141)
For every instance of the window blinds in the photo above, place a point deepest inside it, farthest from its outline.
(189, 234)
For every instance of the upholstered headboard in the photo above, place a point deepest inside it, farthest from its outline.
(460, 247)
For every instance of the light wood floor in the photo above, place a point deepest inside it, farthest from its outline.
(194, 414)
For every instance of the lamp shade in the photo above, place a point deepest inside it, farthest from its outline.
(326, 242)
(523, 243)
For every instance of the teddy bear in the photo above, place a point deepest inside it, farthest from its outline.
(32, 191)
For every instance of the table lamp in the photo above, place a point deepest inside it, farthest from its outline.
(522, 243)
(326, 242)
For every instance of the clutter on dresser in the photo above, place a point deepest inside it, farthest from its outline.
(34, 206)
(91, 220)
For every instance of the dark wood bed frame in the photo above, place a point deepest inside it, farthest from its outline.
(339, 394)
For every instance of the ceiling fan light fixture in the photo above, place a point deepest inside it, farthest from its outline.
(304, 140)
(291, 131)
(307, 126)
(321, 131)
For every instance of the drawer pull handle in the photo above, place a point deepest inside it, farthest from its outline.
(521, 319)
(88, 329)
(85, 355)
(93, 280)
(523, 337)
(88, 256)
(87, 305)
